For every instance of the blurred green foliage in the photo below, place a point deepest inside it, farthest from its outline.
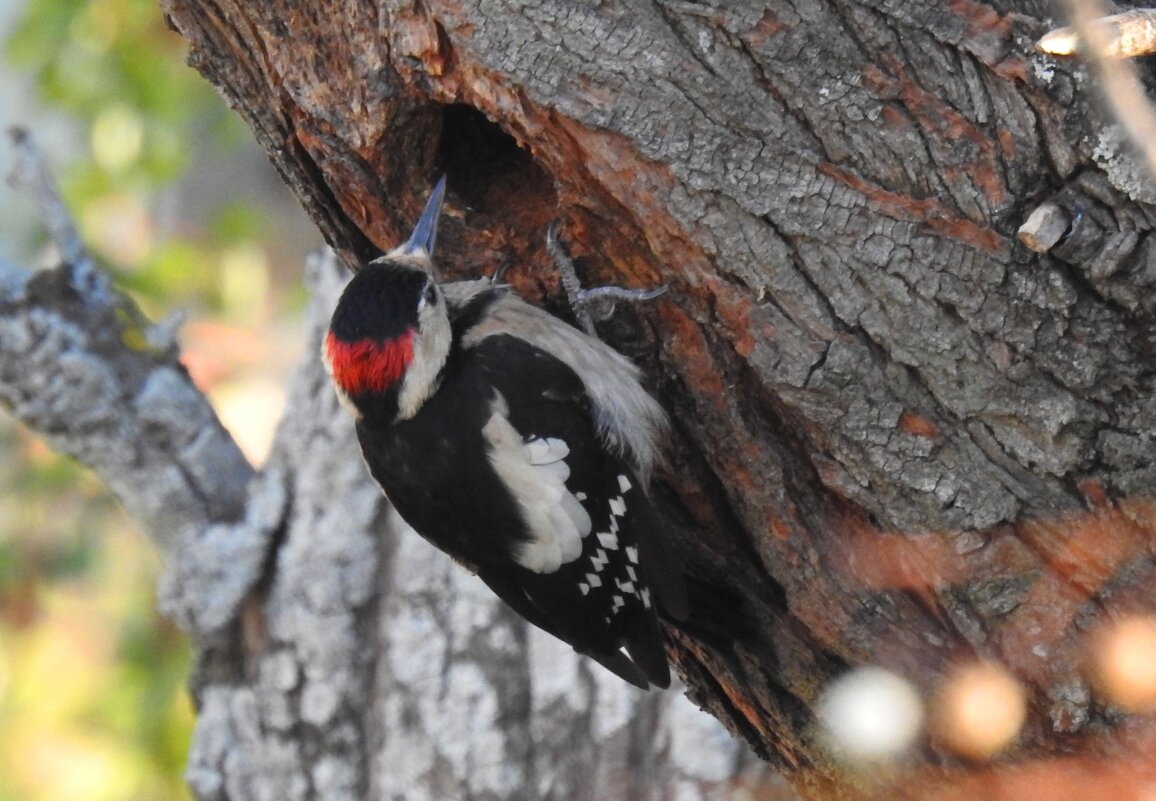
(117, 68)
(92, 697)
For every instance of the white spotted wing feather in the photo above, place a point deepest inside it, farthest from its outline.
(535, 472)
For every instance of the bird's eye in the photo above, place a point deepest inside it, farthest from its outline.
(430, 295)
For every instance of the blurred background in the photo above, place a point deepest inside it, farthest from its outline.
(180, 205)
(177, 201)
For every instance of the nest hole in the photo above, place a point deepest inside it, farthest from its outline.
(497, 180)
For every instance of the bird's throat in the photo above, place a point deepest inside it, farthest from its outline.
(368, 366)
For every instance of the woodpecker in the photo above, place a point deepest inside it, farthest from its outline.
(516, 444)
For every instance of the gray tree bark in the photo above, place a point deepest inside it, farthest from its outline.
(905, 438)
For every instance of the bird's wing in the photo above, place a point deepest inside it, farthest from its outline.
(582, 504)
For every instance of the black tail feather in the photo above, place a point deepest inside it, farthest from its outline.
(620, 665)
(644, 643)
(665, 572)
(717, 613)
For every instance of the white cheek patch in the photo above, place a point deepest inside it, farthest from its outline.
(347, 403)
(536, 473)
(431, 348)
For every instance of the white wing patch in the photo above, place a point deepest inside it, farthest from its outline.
(536, 473)
(628, 419)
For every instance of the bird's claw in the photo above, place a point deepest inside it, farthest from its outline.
(499, 274)
(583, 301)
(598, 293)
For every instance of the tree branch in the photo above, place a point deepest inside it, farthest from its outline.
(81, 365)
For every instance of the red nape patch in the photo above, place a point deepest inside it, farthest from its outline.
(368, 365)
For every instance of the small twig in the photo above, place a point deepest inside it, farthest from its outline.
(1126, 35)
(1044, 227)
(1099, 40)
(30, 174)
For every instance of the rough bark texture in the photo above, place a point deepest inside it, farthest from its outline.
(904, 437)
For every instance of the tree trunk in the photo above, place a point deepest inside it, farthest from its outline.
(906, 439)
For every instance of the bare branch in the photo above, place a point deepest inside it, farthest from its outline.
(30, 174)
(83, 367)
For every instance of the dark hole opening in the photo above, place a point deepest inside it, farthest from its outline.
(486, 167)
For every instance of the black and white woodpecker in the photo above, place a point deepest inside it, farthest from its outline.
(516, 444)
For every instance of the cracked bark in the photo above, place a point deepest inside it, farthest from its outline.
(903, 436)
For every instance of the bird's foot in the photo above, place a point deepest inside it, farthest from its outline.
(588, 305)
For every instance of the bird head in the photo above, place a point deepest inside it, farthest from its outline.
(390, 336)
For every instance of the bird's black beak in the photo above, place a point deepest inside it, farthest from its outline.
(421, 241)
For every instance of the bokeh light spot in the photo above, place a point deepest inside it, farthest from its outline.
(979, 710)
(117, 138)
(870, 714)
(244, 281)
(1125, 662)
